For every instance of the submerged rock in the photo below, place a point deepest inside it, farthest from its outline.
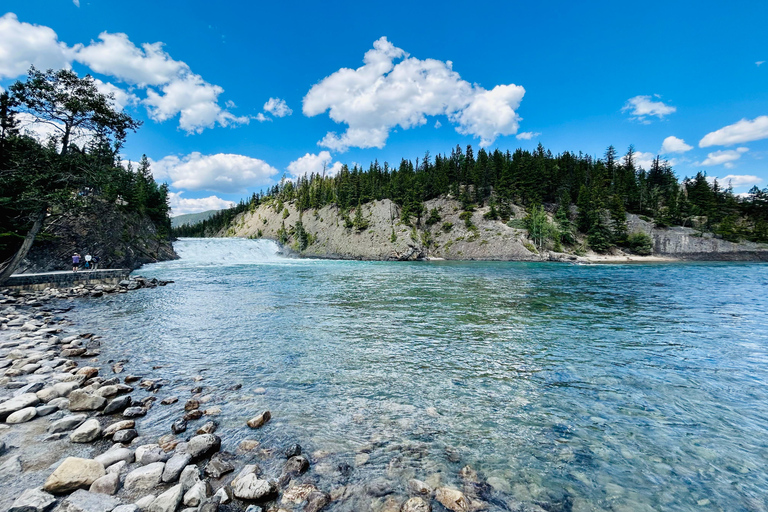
(452, 499)
(260, 420)
(416, 505)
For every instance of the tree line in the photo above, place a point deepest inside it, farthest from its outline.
(603, 190)
(42, 180)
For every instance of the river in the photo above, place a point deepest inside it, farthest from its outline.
(595, 387)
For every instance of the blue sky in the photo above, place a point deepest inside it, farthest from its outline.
(237, 94)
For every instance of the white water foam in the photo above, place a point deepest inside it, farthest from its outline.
(227, 251)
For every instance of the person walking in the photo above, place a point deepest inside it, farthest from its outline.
(88, 259)
(75, 262)
(95, 262)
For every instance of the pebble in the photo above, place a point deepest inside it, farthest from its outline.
(179, 426)
(208, 428)
(169, 400)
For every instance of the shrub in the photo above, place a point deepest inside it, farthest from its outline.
(640, 243)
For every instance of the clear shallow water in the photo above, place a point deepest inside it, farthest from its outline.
(622, 387)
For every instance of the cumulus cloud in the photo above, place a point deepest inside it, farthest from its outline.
(120, 97)
(23, 45)
(527, 135)
(183, 205)
(380, 95)
(673, 144)
(311, 163)
(641, 159)
(740, 180)
(222, 172)
(277, 107)
(640, 107)
(726, 157)
(737, 133)
(45, 131)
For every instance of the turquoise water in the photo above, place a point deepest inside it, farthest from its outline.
(622, 387)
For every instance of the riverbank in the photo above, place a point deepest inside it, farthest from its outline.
(73, 437)
(380, 234)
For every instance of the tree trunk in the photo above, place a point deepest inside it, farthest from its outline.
(65, 140)
(24, 249)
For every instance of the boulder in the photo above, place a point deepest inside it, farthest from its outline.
(149, 453)
(17, 403)
(218, 466)
(125, 436)
(179, 426)
(167, 501)
(145, 477)
(126, 508)
(85, 501)
(80, 400)
(63, 389)
(120, 425)
(22, 415)
(74, 473)
(316, 501)
(175, 466)
(45, 410)
(296, 465)
(195, 496)
(87, 432)
(251, 487)
(118, 404)
(203, 445)
(260, 420)
(107, 391)
(67, 423)
(452, 499)
(190, 475)
(33, 500)
(134, 412)
(114, 455)
(108, 484)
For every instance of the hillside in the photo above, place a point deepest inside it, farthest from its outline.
(387, 238)
(191, 219)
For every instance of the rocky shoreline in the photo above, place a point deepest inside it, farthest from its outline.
(70, 438)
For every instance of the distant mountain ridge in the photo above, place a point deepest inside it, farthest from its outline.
(191, 219)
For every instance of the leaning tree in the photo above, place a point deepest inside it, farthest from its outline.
(35, 179)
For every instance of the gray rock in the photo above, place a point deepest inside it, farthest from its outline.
(17, 403)
(117, 405)
(316, 501)
(108, 484)
(195, 496)
(296, 465)
(63, 389)
(116, 467)
(87, 432)
(145, 502)
(251, 487)
(224, 495)
(126, 508)
(260, 420)
(33, 387)
(416, 505)
(114, 455)
(167, 501)
(210, 504)
(62, 403)
(217, 467)
(125, 436)
(134, 412)
(379, 487)
(145, 477)
(292, 451)
(452, 499)
(120, 425)
(149, 453)
(45, 410)
(67, 423)
(179, 426)
(190, 475)
(22, 415)
(175, 466)
(419, 488)
(33, 500)
(80, 400)
(11, 467)
(203, 445)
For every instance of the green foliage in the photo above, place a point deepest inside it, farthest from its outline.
(640, 243)
(282, 235)
(466, 216)
(360, 223)
(434, 217)
(493, 213)
(286, 213)
(393, 237)
(538, 226)
(301, 236)
(447, 227)
(531, 247)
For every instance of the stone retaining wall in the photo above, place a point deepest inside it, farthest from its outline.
(66, 279)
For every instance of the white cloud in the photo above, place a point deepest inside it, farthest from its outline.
(380, 95)
(121, 97)
(182, 205)
(438, 124)
(740, 180)
(311, 163)
(23, 45)
(760, 63)
(218, 173)
(117, 56)
(277, 107)
(261, 117)
(527, 135)
(641, 107)
(673, 144)
(737, 133)
(76, 2)
(197, 102)
(724, 157)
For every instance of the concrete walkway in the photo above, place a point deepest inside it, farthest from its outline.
(67, 278)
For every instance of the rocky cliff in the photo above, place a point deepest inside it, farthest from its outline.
(383, 236)
(120, 239)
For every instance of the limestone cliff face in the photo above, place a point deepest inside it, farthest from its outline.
(687, 243)
(120, 239)
(451, 239)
